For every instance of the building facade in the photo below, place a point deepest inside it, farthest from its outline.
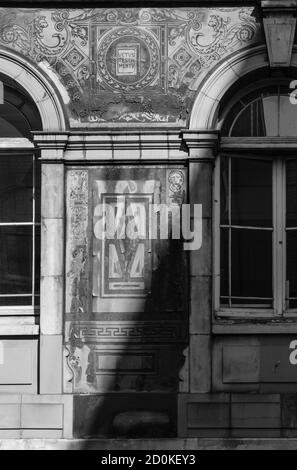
(126, 107)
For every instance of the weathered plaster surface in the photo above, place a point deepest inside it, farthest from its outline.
(125, 299)
(128, 65)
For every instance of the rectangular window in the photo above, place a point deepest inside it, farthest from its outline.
(257, 267)
(19, 230)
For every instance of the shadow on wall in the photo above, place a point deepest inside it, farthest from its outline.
(150, 410)
(134, 368)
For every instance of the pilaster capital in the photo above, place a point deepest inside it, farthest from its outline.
(201, 144)
(52, 145)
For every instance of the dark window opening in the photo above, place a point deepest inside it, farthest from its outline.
(19, 202)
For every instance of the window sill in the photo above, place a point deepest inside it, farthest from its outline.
(270, 327)
(19, 330)
(15, 311)
(15, 142)
(21, 325)
(246, 313)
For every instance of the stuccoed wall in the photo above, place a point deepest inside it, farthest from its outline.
(128, 65)
(125, 319)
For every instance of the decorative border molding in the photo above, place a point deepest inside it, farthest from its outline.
(122, 331)
(206, 106)
(111, 144)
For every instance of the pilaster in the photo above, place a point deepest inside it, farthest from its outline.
(52, 148)
(202, 148)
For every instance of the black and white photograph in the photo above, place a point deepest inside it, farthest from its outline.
(148, 229)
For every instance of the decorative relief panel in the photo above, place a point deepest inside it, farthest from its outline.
(128, 59)
(122, 264)
(176, 193)
(77, 242)
(127, 264)
(129, 64)
(125, 292)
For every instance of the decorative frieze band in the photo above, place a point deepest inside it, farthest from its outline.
(129, 145)
(111, 331)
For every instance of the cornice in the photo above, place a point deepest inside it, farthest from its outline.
(100, 140)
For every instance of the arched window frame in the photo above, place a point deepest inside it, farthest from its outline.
(278, 150)
(22, 147)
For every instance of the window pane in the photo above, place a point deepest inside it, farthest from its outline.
(258, 119)
(224, 265)
(37, 189)
(270, 110)
(16, 181)
(8, 129)
(288, 117)
(251, 263)
(291, 190)
(12, 122)
(37, 264)
(251, 199)
(292, 267)
(243, 124)
(15, 301)
(224, 189)
(16, 260)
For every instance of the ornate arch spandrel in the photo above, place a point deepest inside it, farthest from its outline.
(205, 110)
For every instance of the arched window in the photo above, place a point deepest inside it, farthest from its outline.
(257, 195)
(19, 200)
(262, 113)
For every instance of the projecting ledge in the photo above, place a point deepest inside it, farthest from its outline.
(19, 330)
(285, 328)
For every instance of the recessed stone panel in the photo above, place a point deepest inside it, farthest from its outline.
(18, 365)
(125, 363)
(42, 415)
(255, 415)
(208, 415)
(241, 364)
